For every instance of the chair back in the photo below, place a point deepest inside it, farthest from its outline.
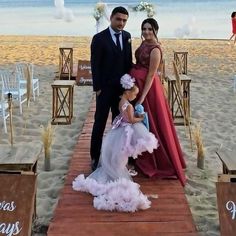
(178, 80)
(3, 99)
(4, 113)
(20, 70)
(24, 70)
(11, 84)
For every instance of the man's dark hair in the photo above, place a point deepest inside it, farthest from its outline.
(121, 10)
(233, 14)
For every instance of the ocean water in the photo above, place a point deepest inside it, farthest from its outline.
(176, 18)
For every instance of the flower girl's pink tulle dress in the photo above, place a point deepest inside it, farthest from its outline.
(111, 184)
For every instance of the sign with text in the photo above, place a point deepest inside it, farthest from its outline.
(17, 197)
(226, 199)
(84, 73)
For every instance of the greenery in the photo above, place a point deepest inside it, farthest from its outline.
(145, 6)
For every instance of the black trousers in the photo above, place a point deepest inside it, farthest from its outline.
(107, 100)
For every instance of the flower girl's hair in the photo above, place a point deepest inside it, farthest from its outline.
(127, 82)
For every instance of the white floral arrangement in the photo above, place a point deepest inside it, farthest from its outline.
(99, 11)
(127, 81)
(145, 6)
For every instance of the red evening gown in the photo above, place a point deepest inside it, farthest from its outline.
(234, 25)
(167, 160)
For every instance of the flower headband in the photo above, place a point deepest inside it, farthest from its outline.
(127, 81)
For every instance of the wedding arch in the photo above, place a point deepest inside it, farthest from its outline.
(101, 11)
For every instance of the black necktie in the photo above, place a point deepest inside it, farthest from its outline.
(118, 40)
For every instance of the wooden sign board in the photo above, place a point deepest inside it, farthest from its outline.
(226, 199)
(17, 203)
(84, 73)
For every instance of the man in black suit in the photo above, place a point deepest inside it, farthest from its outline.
(111, 57)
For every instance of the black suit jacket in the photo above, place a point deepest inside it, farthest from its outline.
(107, 64)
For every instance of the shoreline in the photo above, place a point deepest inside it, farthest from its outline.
(88, 36)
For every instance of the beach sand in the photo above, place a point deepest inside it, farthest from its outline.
(211, 66)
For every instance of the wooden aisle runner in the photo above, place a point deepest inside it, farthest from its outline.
(169, 214)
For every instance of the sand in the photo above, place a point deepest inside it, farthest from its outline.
(211, 66)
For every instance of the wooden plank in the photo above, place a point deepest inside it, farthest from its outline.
(86, 213)
(159, 234)
(228, 157)
(226, 178)
(17, 155)
(124, 229)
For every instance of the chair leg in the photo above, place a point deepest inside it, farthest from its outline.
(35, 90)
(38, 90)
(4, 121)
(34, 94)
(5, 125)
(20, 104)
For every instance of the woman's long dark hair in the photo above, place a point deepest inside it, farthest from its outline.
(154, 25)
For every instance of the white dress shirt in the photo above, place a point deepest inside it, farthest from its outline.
(114, 37)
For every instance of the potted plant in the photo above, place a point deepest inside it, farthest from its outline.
(197, 136)
(47, 139)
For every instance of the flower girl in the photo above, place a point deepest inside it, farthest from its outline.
(111, 184)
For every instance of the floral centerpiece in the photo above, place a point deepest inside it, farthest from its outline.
(145, 6)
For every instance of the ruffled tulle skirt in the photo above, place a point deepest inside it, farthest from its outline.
(111, 184)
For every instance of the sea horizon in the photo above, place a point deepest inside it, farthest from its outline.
(191, 19)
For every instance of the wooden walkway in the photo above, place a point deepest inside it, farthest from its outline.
(169, 214)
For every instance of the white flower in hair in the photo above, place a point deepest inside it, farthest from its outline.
(127, 81)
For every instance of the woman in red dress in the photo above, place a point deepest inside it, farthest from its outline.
(233, 19)
(167, 161)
